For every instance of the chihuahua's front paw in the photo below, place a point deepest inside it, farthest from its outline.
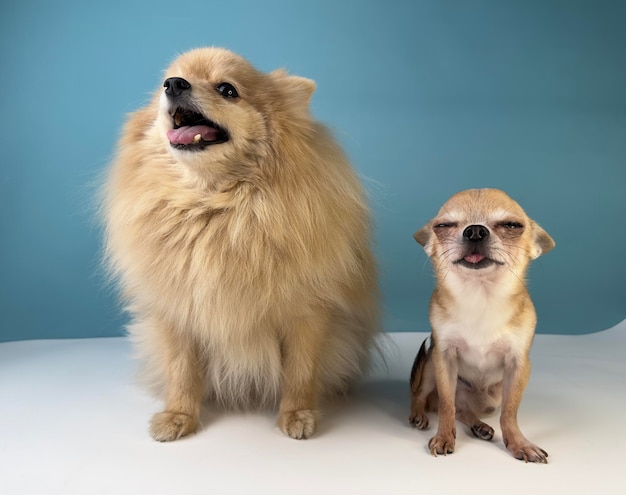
(483, 431)
(441, 444)
(298, 424)
(527, 452)
(167, 426)
(419, 421)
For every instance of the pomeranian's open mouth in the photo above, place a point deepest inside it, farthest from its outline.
(193, 131)
(476, 261)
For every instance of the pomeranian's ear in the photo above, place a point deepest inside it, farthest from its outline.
(299, 89)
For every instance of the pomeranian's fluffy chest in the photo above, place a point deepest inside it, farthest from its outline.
(200, 255)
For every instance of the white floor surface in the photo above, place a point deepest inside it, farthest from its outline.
(73, 421)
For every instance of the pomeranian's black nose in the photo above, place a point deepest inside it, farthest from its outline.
(176, 86)
(476, 233)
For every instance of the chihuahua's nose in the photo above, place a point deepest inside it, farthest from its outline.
(476, 233)
(176, 86)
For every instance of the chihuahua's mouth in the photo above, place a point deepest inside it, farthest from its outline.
(193, 131)
(477, 261)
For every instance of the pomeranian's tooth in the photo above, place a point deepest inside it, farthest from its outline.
(196, 138)
(177, 119)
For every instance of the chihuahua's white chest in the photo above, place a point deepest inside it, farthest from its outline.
(480, 329)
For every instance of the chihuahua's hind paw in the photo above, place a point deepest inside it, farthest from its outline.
(419, 421)
(483, 431)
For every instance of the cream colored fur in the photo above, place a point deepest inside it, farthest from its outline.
(246, 266)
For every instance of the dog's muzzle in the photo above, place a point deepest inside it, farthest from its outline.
(191, 130)
(476, 257)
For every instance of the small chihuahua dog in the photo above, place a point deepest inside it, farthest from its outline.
(483, 320)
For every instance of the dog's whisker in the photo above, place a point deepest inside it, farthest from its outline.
(424, 264)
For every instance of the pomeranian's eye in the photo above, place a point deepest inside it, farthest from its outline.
(445, 225)
(512, 225)
(227, 90)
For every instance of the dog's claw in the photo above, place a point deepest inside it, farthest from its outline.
(441, 445)
(530, 453)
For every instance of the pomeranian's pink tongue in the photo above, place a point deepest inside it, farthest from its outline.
(474, 258)
(186, 135)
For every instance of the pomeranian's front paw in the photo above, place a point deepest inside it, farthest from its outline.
(167, 426)
(442, 444)
(298, 424)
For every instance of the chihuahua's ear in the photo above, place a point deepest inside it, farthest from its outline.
(423, 236)
(299, 89)
(542, 242)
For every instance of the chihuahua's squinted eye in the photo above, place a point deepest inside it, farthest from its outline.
(482, 318)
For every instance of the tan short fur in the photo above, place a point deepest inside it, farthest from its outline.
(483, 320)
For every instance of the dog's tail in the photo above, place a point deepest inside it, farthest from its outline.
(417, 371)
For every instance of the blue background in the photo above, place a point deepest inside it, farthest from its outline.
(427, 97)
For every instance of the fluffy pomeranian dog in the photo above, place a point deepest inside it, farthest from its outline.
(240, 237)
